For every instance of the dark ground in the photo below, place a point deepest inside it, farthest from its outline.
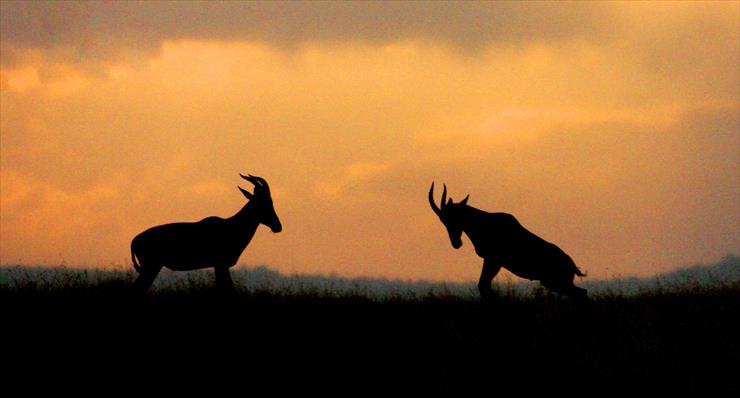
(101, 340)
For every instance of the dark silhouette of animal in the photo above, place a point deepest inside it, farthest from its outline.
(211, 242)
(502, 242)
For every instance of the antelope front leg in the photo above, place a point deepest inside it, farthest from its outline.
(486, 277)
(223, 279)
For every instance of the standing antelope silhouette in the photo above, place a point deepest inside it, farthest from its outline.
(501, 241)
(211, 242)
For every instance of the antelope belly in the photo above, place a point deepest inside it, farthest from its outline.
(525, 269)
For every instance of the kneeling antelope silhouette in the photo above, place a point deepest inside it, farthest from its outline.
(211, 242)
(502, 242)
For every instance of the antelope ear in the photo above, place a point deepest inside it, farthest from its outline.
(449, 201)
(465, 201)
(246, 193)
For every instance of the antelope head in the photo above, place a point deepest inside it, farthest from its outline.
(450, 215)
(262, 200)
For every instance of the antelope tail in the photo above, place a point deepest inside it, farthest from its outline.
(137, 267)
(578, 271)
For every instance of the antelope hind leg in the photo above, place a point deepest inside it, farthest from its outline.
(567, 289)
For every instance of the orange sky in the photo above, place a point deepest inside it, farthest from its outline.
(610, 129)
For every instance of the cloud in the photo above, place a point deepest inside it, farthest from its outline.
(690, 45)
(93, 29)
(668, 36)
(356, 173)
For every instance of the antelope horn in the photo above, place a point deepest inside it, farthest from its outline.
(262, 183)
(247, 177)
(254, 180)
(444, 197)
(436, 209)
(260, 180)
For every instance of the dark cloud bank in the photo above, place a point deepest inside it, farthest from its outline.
(92, 29)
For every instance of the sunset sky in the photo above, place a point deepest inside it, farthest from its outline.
(609, 129)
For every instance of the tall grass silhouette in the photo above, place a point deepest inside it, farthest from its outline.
(335, 335)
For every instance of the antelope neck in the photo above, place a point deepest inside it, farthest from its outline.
(471, 222)
(246, 220)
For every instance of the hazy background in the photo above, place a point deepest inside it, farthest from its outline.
(610, 129)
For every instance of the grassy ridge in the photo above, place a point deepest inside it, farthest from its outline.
(726, 272)
(672, 340)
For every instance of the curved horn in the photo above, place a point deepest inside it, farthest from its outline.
(245, 193)
(249, 178)
(262, 183)
(260, 180)
(443, 204)
(436, 209)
